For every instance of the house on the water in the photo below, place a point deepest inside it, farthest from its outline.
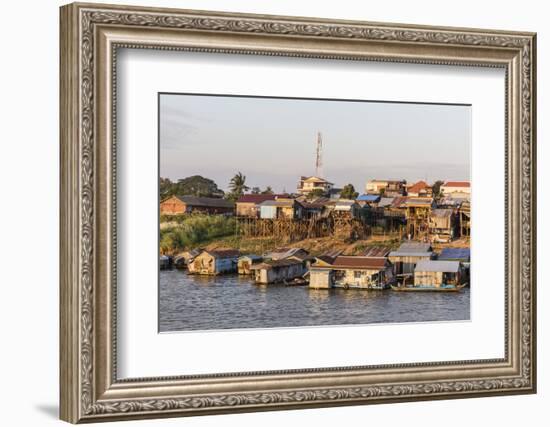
(430, 273)
(408, 255)
(361, 272)
(248, 205)
(245, 263)
(442, 223)
(282, 208)
(182, 259)
(283, 270)
(309, 184)
(176, 205)
(461, 255)
(214, 262)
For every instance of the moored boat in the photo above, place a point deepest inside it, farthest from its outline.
(428, 288)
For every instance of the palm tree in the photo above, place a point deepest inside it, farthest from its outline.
(237, 185)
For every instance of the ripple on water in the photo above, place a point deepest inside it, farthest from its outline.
(235, 302)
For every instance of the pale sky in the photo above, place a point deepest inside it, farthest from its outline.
(272, 141)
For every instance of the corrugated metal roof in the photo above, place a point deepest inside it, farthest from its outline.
(276, 263)
(252, 257)
(256, 198)
(376, 251)
(281, 253)
(385, 201)
(418, 201)
(224, 253)
(359, 262)
(437, 266)
(462, 254)
(210, 202)
(279, 203)
(368, 198)
(414, 247)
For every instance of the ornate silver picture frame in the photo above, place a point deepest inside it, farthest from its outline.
(90, 388)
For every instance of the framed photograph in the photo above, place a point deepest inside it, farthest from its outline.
(266, 212)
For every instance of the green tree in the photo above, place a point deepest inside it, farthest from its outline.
(348, 192)
(165, 186)
(382, 191)
(318, 192)
(268, 190)
(255, 190)
(436, 188)
(238, 186)
(195, 185)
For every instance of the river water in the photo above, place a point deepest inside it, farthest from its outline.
(235, 302)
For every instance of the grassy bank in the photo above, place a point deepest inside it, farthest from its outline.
(191, 231)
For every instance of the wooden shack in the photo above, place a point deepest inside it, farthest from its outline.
(278, 271)
(182, 259)
(245, 263)
(437, 273)
(442, 225)
(282, 208)
(214, 262)
(405, 258)
(362, 272)
(177, 205)
(248, 205)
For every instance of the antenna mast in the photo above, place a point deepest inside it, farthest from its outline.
(319, 156)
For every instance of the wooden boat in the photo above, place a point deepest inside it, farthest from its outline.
(442, 288)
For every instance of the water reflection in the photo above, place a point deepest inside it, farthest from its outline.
(235, 302)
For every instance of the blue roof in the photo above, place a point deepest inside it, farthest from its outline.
(368, 197)
(462, 254)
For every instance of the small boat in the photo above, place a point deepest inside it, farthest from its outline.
(426, 288)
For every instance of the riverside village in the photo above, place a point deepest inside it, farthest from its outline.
(391, 235)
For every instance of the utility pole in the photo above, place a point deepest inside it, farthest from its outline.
(319, 156)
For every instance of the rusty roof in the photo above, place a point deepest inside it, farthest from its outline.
(256, 198)
(377, 251)
(359, 262)
(418, 186)
(209, 202)
(465, 184)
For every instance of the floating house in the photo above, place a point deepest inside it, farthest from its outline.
(442, 224)
(165, 262)
(282, 208)
(176, 205)
(182, 259)
(351, 272)
(248, 205)
(281, 253)
(279, 271)
(461, 255)
(214, 262)
(408, 255)
(437, 274)
(245, 263)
